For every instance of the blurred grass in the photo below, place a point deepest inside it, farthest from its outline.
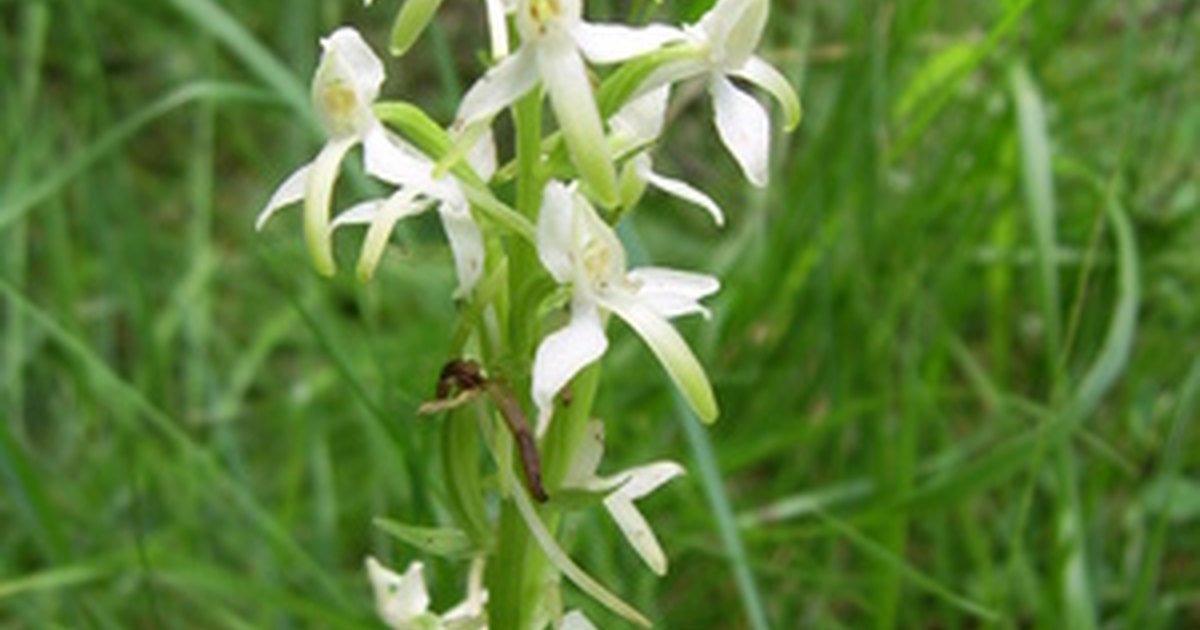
(955, 351)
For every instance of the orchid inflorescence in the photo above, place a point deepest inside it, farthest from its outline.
(539, 276)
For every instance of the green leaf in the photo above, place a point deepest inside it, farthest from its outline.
(446, 542)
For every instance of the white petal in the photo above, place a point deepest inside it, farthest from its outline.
(641, 120)
(563, 353)
(399, 599)
(290, 191)
(497, 28)
(643, 480)
(686, 192)
(744, 128)
(499, 87)
(765, 76)
(574, 105)
(555, 231)
(404, 203)
(640, 482)
(576, 620)
(672, 293)
(359, 214)
(358, 63)
(669, 348)
(610, 43)
(317, 195)
(733, 29)
(389, 158)
(466, 244)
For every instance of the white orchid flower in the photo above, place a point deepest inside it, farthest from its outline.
(402, 601)
(622, 490)
(580, 250)
(553, 36)
(419, 189)
(346, 83)
(634, 127)
(724, 40)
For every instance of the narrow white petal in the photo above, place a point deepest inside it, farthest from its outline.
(765, 76)
(466, 244)
(389, 158)
(670, 349)
(637, 531)
(574, 105)
(641, 119)
(643, 480)
(610, 43)
(404, 203)
(672, 293)
(555, 231)
(686, 192)
(359, 214)
(576, 620)
(744, 128)
(563, 353)
(316, 202)
(733, 29)
(499, 87)
(399, 599)
(290, 191)
(497, 28)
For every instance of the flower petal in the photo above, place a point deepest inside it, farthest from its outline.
(404, 203)
(290, 191)
(669, 348)
(391, 159)
(357, 63)
(765, 76)
(497, 28)
(582, 471)
(399, 599)
(555, 231)
(574, 106)
(359, 214)
(640, 482)
(672, 293)
(744, 128)
(345, 84)
(733, 29)
(499, 87)
(482, 156)
(641, 120)
(316, 202)
(686, 192)
(563, 353)
(466, 244)
(610, 43)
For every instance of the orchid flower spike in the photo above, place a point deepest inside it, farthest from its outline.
(635, 127)
(621, 490)
(419, 188)
(724, 40)
(402, 601)
(346, 83)
(580, 250)
(553, 37)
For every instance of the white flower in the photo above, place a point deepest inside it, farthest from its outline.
(402, 601)
(345, 85)
(623, 489)
(553, 35)
(580, 250)
(400, 164)
(724, 40)
(634, 127)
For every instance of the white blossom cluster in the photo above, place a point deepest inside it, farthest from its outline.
(605, 141)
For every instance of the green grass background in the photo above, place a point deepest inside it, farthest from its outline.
(957, 351)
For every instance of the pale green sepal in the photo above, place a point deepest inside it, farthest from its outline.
(445, 542)
(765, 76)
(322, 176)
(414, 16)
(671, 351)
(638, 76)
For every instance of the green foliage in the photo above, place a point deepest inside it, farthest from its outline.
(955, 351)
